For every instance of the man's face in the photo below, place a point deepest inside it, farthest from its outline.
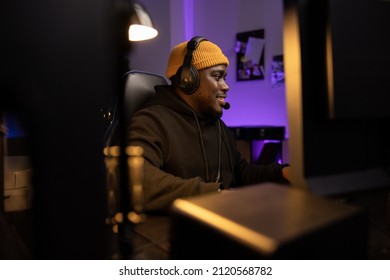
(209, 98)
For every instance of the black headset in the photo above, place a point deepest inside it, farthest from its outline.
(187, 73)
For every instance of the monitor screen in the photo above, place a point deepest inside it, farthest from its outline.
(338, 94)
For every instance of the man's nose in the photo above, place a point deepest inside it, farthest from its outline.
(224, 86)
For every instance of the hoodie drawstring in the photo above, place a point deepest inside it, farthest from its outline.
(203, 148)
(221, 135)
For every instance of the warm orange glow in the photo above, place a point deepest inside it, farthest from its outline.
(329, 73)
(293, 69)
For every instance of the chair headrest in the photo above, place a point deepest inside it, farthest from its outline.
(139, 88)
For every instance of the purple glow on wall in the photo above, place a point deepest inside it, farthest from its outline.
(255, 103)
(189, 19)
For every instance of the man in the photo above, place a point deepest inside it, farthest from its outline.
(188, 149)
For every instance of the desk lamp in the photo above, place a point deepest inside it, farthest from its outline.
(141, 27)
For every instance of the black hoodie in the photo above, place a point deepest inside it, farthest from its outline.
(184, 152)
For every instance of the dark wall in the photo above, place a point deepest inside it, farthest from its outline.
(59, 69)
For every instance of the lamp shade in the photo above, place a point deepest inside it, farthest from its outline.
(141, 26)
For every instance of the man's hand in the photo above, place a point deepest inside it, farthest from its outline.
(286, 172)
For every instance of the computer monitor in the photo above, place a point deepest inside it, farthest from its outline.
(337, 88)
(61, 67)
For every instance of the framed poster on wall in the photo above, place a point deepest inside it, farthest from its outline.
(250, 55)
(277, 71)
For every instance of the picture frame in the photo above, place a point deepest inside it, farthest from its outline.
(250, 55)
(277, 71)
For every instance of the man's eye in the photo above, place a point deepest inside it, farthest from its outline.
(219, 76)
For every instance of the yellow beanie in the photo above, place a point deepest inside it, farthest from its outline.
(207, 54)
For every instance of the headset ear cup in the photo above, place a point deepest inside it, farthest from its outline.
(177, 76)
(194, 81)
(190, 83)
(187, 74)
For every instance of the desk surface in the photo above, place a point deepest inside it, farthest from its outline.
(152, 238)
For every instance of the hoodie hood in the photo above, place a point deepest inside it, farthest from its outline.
(166, 96)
